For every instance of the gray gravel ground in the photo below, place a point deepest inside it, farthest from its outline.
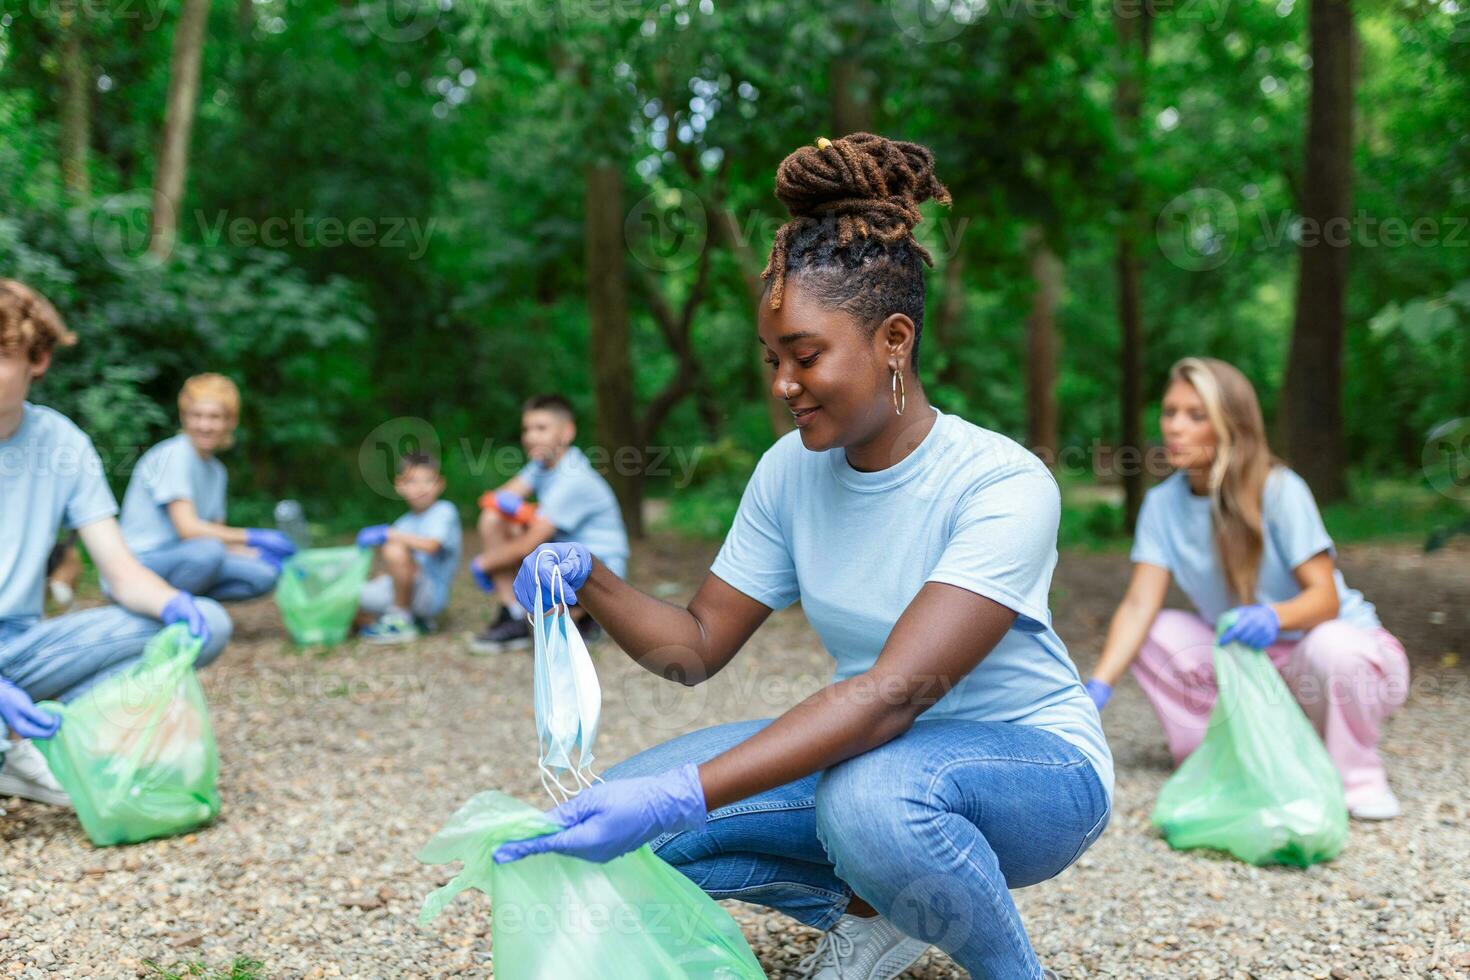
(338, 766)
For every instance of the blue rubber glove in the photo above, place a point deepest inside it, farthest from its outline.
(1255, 626)
(270, 541)
(1099, 692)
(481, 577)
(181, 609)
(575, 562)
(372, 536)
(21, 715)
(507, 503)
(611, 818)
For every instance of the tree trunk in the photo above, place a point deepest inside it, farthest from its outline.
(1311, 401)
(849, 81)
(76, 104)
(1041, 347)
(1134, 30)
(609, 344)
(178, 125)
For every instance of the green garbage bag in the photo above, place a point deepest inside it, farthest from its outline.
(136, 752)
(1261, 785)
(555, 917)
(317, 592)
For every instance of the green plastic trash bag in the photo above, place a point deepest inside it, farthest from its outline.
(136, 752)
(555, 917)
(317, 592)
(1261, 785)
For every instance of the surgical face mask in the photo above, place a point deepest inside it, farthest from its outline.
(567, 696)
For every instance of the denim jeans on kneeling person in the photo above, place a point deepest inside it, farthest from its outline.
(204, 566)
(931, 829)
(61, 658)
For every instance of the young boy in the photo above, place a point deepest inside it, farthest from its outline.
(51, 475)
(421, 553)
(574, 503)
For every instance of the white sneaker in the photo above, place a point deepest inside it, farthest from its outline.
(861, 949)
(24, 773)
(1384, 807)
(62, 595)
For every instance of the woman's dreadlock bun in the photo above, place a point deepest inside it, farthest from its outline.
(859, 189)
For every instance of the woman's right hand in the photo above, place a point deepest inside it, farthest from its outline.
(571, 557)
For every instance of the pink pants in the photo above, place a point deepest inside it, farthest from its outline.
(1347, 680)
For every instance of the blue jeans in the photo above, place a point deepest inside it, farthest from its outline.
(931, 829)
(60, 658)
(203, 566)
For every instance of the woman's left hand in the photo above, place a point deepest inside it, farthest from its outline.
(609, 819)
(1255, 626)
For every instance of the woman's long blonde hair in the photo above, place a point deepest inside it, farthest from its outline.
(1243, 461)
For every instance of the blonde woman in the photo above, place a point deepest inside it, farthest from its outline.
(1240, 532)
(173, 514)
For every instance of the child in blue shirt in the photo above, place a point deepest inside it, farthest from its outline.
(51, 476)
(420, 553)
(173, 514)
(573, 503)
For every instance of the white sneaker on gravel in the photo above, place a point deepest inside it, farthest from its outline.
(1384, 807)
(861, 949)
(24, 773)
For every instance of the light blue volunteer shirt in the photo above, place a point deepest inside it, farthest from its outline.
(50, 474)
(440, 521)
(1175, 532)
(968, 507)
(172, 470)
(578, 501)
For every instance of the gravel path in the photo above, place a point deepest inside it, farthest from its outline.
(337, 767)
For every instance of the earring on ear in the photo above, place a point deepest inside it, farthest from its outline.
(900, 396)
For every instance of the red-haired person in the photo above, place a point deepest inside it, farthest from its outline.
(51, 476)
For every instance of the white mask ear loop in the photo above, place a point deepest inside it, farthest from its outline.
(561, 793)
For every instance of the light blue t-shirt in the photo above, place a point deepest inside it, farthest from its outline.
(50, 474)
(172, 470)
(440, 521)
(579, 503)
(1175, 532)
(967, 507)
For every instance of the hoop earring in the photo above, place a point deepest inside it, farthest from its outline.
(900, 396)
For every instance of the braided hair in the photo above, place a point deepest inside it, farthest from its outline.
(854, 203)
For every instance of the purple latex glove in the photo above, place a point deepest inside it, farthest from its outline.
(609, 819)
(372, 536)
(1099, 692)
(507, 503)
(21, 715)
(269, 541)
(181, 609)
(1255, 626)
(575, 562)
(481, 577)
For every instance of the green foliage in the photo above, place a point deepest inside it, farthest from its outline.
(242, 968)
